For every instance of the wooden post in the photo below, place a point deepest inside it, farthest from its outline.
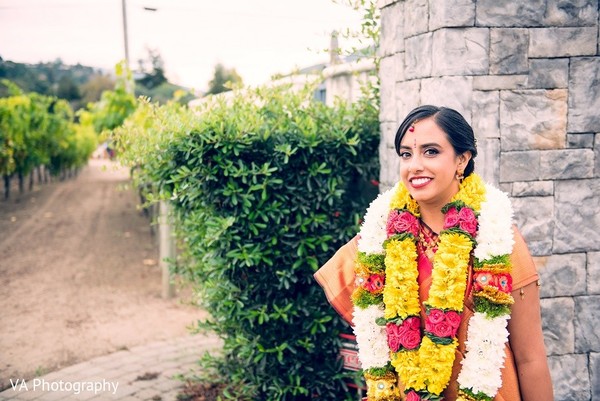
(166, 248)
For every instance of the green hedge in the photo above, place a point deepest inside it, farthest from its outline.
(266, 185)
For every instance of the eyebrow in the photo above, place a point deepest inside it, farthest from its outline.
(425, 145)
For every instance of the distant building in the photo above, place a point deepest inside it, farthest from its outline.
(340, 77)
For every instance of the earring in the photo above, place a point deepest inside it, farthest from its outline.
(460, 176)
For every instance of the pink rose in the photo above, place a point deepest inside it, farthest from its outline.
(467, 214)
(435, 316)
(406, 335)
(469, 227)
(412, 396)
(468, 221)
(393, 332)
(443, 329)
(400, 222)
(453, 318)
(410, 339)
(412, 323)
(451, 218)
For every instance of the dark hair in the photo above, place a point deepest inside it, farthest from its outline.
(459, 132)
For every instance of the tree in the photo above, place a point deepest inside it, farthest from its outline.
(223, 79)
(155, 75)
(91, 91)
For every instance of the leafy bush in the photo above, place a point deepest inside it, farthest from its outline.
(38, 130)
(266, 185)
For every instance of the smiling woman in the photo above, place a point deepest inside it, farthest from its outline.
(453, 268)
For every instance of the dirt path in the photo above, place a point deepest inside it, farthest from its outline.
(79, 275)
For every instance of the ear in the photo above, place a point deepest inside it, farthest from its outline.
(463, 159)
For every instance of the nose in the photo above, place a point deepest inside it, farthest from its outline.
(415, 164)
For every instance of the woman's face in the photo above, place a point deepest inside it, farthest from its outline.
(428, 164)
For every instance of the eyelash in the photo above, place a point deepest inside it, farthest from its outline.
(428, 152)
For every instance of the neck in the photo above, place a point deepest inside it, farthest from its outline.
(431, 214)
(433, 217)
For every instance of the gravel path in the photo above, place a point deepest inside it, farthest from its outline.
(79, 276)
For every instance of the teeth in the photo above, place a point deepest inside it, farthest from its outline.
(420, 181)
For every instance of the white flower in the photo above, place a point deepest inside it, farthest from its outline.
(373, 230)
(495, 236)
(481, 370)
(373, 349)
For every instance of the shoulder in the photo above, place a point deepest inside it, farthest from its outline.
(524, 271)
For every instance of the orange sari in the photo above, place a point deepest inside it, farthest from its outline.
(336, 277)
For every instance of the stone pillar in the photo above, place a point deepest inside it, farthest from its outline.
(526, 75)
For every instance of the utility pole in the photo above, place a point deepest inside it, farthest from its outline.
(124, 3)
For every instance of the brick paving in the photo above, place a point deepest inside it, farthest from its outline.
(146, 372)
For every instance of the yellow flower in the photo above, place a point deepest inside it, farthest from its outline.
(403, 200)
(471, 192)
(450, 271)
(401, 292)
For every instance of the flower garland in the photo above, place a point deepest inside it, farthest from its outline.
(387, 313)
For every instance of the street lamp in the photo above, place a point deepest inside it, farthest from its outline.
(125, 38)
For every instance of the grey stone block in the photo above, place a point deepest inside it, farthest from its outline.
(577, 219)
(587, 316)
(548, 73)
(520, 166)
(385, 3)
(562, 275)
(388, 134)
(558, 315)
(454, 92)
(570, 377)
(579, 141)
(505, 187)
(390, 171)
(533, 188)
(387, 78)
(571, 13)
(584, 95)
(562, 42)
(451, 13)
(408, 96)
(593, 273)
(510, 13)
(536, 13)
(595, 375)
(392, 29)
(597, 156)
(499, 82)
(416, 17)
(487, 161)
(418, 57)
(465, 51)
(535, 217)
(486, 114)
(533, 119)
(566, 164)
(508, 51)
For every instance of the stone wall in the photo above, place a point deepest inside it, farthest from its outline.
(526, 75)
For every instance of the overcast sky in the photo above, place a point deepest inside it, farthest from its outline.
(256, 37)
